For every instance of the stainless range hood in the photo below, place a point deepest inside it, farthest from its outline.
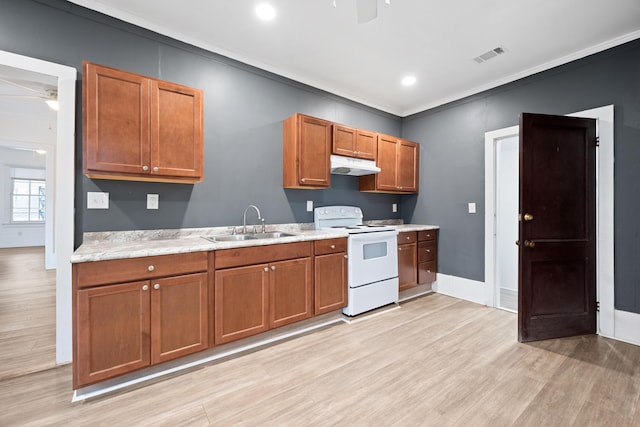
(341, 165)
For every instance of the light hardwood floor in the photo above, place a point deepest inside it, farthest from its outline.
(27, 312)
(436, 361)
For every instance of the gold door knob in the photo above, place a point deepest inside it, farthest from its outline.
(530, 243)
(528, 217)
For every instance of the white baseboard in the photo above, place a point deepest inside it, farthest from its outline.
(459, 287)
(627, 327)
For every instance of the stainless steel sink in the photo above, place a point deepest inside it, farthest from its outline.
(251, 236)
(272, 235)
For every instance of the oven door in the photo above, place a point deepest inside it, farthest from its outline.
(372, 257)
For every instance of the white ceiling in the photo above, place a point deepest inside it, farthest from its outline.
(23, 93)
(313, 42)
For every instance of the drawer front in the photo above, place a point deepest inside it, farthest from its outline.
(130, 269)
(330, 246)
(407, 237)
(227, 258)
(427, 272)
(427, 251)
(428, 235)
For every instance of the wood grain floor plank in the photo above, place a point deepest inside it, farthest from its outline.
(435, 361)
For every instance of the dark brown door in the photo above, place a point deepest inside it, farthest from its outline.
(556, 289)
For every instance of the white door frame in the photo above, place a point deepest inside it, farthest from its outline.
(64, 166)
(604, 217)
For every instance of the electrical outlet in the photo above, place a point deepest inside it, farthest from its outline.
(472, 208)
(394, 207)
(153, 201)
(309, 205)
(97, 200)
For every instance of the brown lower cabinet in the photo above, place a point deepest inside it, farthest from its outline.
(133, 313)
(261, 289)
(417, 258)
(124, 327)
(330, 275)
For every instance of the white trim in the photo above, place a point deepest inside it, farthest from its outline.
(459, 287)
(491, 139)
(605, 218)
(63, 195)
(627, 326)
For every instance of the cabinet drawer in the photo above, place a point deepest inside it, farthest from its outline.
(226, 258)
(427, 272)
(330, 246)
(130, 269)
(427, 251)
(427, 235)
(407, 237)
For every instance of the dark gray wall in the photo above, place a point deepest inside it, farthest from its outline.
(244, 109)
(453, 157)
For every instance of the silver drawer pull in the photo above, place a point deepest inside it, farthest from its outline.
(145, 288)
(156, 286)
(333, 246)
(151, 268)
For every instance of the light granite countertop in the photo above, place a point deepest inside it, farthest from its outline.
(102, 246)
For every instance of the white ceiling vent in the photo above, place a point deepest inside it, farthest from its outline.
(488, 55)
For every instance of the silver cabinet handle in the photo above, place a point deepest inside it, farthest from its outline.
(428, 250)
(155, 169)
(266, 269)
(333, 246)
(156, 286)
(273, 267)
(346, 256)
(145, 168)
(145, 288)
(151, 268)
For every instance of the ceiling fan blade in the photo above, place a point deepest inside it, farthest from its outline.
(367, 10)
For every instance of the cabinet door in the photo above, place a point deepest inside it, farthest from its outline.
(387, 161)
(176, 130)
(290, 291)
(314, 151)
(330, 282)
(179, 316)
(408, 166)
(407, 266)
(366, 144)
(116, 121)
(113, 331)
(241, 302)
(344, 140)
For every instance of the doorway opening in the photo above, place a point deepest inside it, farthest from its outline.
(498, 256)
(62, 193)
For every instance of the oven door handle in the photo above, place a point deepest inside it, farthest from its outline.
(375, 236)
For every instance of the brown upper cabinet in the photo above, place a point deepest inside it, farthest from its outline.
(306, 147)
(352, 142)
(139, 128)
(399, 160)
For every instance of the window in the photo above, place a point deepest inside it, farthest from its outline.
(27, 200)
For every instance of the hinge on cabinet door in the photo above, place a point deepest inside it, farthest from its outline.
(598, 306)
(597, 141)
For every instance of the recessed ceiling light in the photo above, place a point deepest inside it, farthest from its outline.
(408, 81)
(266, 12)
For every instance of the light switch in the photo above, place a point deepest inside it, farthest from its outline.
(394, 207)
(153, 201)
(472, 208)
(309, 205)
(97, 200)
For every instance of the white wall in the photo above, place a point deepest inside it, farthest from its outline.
(31, 133)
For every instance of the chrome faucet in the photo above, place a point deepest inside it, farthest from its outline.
(244, 219)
